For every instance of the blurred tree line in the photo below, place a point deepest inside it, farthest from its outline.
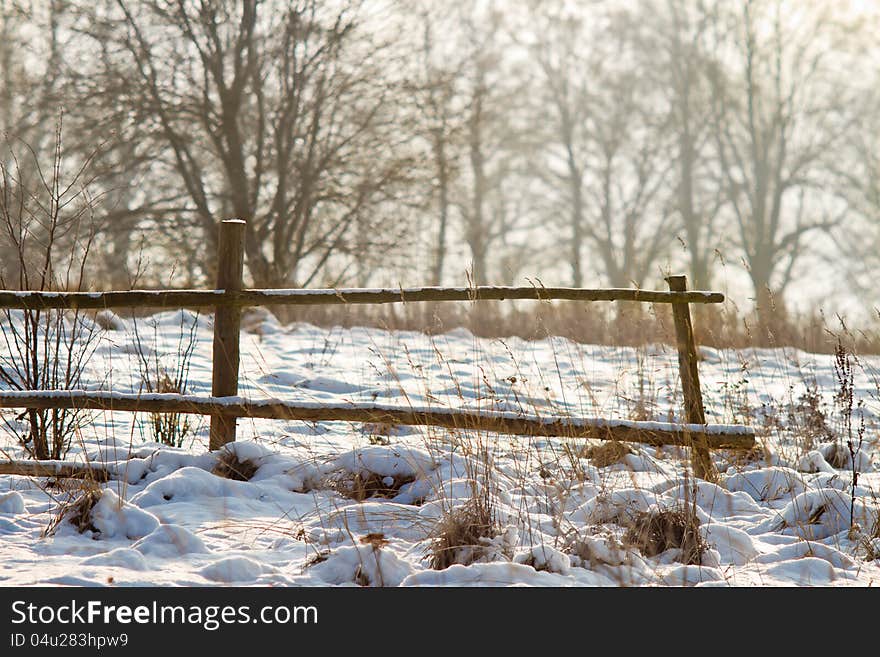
(374, 142)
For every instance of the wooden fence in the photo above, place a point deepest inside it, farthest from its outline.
(225, 406)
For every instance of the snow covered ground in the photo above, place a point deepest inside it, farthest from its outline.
(342, 504)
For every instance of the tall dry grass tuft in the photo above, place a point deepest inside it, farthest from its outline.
(608, 452)
(468, 532)
(76, 507)
(656, 531)
(854, 439)
(229, 466)
(463, 532)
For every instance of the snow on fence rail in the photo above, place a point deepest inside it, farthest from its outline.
(230, 297)
(718, 436)
(300, 297)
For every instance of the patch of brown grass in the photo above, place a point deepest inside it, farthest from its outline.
(607, 453)
(170, 428)
(229, 467)
(869, 542)
(742, 458)
(654, 532)
(379, 433)
(461, 533)
(806, 417)
(360, 487)
(376, 540)
(77, 509)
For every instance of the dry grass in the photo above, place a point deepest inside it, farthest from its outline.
(77, 509)
(607, 453)
(360, 487)
(807, 417)
(868, 543)
(461, 533)
(836, 455)
(722, 326)
(170, 428)
(159, 375)
(375, 540)
(740, 459)
(229, 467)
(654, 532)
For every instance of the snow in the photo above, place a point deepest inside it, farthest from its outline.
(233, 570)
(545, 557)
(777, 517)
(113, 516)
(386, 518)
(169, 542)
(395, 462)
(11, 503)
(818, 514)
(110, 321)
(119, 558)
(690, 575)
(734, 546)
(373, 567)
(766, 483)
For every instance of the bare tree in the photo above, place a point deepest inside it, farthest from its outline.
(29, 45)
(605, 167)
(493, 147)
(39, 69)
(12, 74)
(437, 101)
(856, 168)
(780, 104)
(282, 113)
(673, 49)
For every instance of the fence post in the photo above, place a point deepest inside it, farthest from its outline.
(227, 327)
(690, 378)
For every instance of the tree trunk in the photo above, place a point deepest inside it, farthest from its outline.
(443, 191)
(478, 261)
(477, 229)
(769, 307)
(577, 218)
(117, 260)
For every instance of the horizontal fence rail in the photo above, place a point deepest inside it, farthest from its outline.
(306, 297)
(224, 406)
(715, 436)
(57, 469)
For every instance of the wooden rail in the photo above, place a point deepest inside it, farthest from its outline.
(300, 297)
(57, 469)
(230, 296)
(654, 433)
